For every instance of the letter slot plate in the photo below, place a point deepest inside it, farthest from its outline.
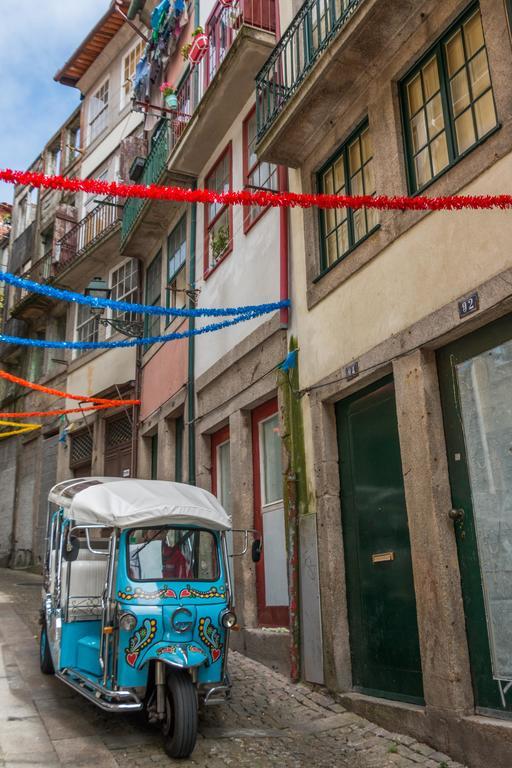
(383, 557)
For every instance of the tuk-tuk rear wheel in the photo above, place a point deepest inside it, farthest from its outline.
(45, 657)
(180, 724)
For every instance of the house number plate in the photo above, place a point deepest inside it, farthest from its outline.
(468, 305)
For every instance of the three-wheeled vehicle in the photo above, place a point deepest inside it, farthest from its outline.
(137, 599)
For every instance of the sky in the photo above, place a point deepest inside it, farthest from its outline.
(36, 39)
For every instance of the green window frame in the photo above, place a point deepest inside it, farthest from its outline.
(348, 172)
(448, 102)
(153, 295)
(176, 266)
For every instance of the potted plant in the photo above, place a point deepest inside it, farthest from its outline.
(198, 46)
(170, 96)
(219, 243)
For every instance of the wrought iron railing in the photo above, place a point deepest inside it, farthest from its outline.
(302, 44)
(154, 167)
(88, 232)
(222, 28)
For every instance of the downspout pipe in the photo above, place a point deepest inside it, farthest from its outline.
(284, 243)
(136, 7)
(138, 384)
(191, 392)
(284, 221)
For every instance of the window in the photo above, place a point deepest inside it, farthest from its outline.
(123, 282)
(166, 554)
(179, 428)
(154, 456)
(258, 175)
(153, 295)
(448, 102)
(98, 112)
(350, 172)
(53, 160)
(86, 325)
(176, 272)
(269, 518)
(221, 468)
(218, 218)
(130, 62)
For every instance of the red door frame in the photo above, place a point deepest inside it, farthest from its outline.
(222, 436)
(268, 616)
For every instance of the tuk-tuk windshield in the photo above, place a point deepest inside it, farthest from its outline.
(172, 554)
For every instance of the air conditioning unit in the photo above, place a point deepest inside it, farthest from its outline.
(136, 169)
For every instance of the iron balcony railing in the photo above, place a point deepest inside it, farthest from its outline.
(41, 271)
(154, 168)
(300, 47)
(89, 231)
(222, 28)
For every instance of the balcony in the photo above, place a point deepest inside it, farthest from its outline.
(12, 327)
(148, 214)
(323, 60)
(210, 98)
(91, 244)
(29, 306)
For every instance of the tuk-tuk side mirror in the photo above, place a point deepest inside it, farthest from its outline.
(257, 546)
(71, 548)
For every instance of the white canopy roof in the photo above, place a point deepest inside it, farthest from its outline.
(124, 503)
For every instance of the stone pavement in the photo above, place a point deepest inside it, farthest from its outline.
(269, 722)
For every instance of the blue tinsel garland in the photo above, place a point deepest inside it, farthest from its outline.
(42, 343)
(123, 306)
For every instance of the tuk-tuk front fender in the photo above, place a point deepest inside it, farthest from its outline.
(182, 655)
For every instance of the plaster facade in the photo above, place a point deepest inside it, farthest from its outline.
(388, 305)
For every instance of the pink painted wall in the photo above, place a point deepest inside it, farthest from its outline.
(163, 375)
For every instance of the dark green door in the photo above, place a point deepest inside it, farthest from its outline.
(380, 592)
(475, 375)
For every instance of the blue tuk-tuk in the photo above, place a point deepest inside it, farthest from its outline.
(137, 599)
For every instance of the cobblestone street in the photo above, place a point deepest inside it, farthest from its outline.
(269, 721)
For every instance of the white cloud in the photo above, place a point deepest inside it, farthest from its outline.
(36, 39)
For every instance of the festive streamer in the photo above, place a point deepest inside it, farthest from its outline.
(44, 344)
(123, 306)
(56, 412)
(57, 392)
(261, 198)
(20, 428)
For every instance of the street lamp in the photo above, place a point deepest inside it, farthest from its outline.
(98, 289)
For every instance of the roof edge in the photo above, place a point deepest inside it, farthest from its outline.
(60, 76)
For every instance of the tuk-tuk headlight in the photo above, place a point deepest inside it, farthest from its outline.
(228, 619)
(128, 622)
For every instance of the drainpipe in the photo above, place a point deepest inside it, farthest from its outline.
(284, 226)
(191, 391)
(138, 385)
(136, 7)
(191, 352)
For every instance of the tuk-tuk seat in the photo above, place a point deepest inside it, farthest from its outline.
(86, 584)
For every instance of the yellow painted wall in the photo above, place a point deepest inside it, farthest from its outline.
(440, 259)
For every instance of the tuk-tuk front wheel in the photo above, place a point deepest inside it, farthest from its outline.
(180, 724)
(45, 657)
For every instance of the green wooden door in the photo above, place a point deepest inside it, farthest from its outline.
(380, 592)
(475, 375)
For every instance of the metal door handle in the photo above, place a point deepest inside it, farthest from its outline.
(457, 515)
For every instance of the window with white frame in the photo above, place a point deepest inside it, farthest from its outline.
(176, 258)
(130, 62)
(123, 282)
(86, 325)
(98, 112)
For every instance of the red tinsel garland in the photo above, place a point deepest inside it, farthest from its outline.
(261, 198)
